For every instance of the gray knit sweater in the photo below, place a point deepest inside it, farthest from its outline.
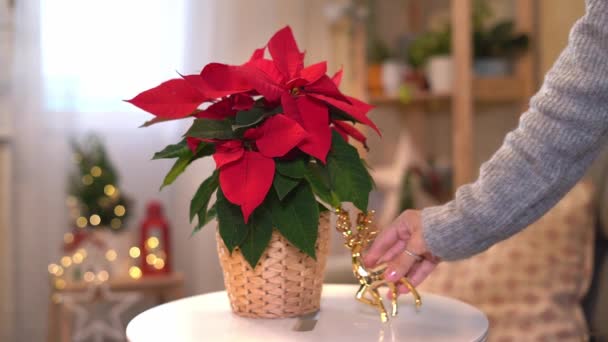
(556, 140)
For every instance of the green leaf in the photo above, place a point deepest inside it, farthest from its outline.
(348, 176)
(203, 194)
(296, 217)
(292, 168)
(233, 229)
(211, 129)
(157, 119)
(258, 236)
(202, 221)
(172, 151)
(178, 168)
(283, 185)
(203, 150)
(250, 117)
(318, 178)
(253, 116)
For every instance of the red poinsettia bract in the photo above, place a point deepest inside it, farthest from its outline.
(305, 95)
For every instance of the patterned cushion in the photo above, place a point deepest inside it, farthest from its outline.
(530, 285)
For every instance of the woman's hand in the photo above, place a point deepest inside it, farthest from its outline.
(405, 233)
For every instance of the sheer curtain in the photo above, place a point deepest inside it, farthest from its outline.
(74, 63)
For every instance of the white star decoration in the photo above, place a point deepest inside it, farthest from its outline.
(88, 326)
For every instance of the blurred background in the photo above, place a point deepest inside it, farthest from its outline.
(449, 78)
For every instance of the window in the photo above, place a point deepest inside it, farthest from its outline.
(96, 53)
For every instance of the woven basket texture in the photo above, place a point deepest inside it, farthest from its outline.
(285, 282)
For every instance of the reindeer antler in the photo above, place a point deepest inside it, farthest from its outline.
(366, 230)
(344, 226)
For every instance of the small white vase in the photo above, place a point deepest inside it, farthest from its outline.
(393, 73)
(440, 73)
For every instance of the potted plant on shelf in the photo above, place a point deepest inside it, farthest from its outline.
(377, 54)
(278, 133)
(496, 48)
(432, 51)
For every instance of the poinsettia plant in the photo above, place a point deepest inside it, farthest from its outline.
(278, 132)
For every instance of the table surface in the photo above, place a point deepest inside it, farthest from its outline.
(208, 318)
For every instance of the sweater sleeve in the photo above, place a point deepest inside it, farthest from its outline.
(549, 151)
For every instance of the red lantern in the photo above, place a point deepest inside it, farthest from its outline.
(155, 243)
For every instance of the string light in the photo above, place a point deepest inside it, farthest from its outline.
(77, 258)
(89, 276)
(150, 259)
(95, 220)
(116, 193)
(82, 251)
(66, 261)
(60, 284)
(109, 190)
(96, 171)
(159, 263)
(53, 268)
(68, 238)
(111, 255)
(115, 223)
(120, 210)
(77, 157)
(135, 272)
(152, 242)
(81, 222)
(59, 271)
(103, 276)
(87, 179)
(134, 252)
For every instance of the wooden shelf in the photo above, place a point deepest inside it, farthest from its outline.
(471, 91)
(498, 89)
(485, 90)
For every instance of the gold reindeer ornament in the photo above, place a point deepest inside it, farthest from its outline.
(370, 279)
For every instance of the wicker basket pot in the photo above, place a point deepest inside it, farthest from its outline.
(285, 283)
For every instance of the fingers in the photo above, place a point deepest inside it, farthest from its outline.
(418, 274)
(397, 233)
(399, 267)
(383, 243)
(393, 252)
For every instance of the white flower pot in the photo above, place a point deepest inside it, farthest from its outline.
(393, 73)
(440, 73)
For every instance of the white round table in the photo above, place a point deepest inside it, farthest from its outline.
(208, 318)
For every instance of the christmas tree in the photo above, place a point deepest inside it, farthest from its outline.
(95, 199)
